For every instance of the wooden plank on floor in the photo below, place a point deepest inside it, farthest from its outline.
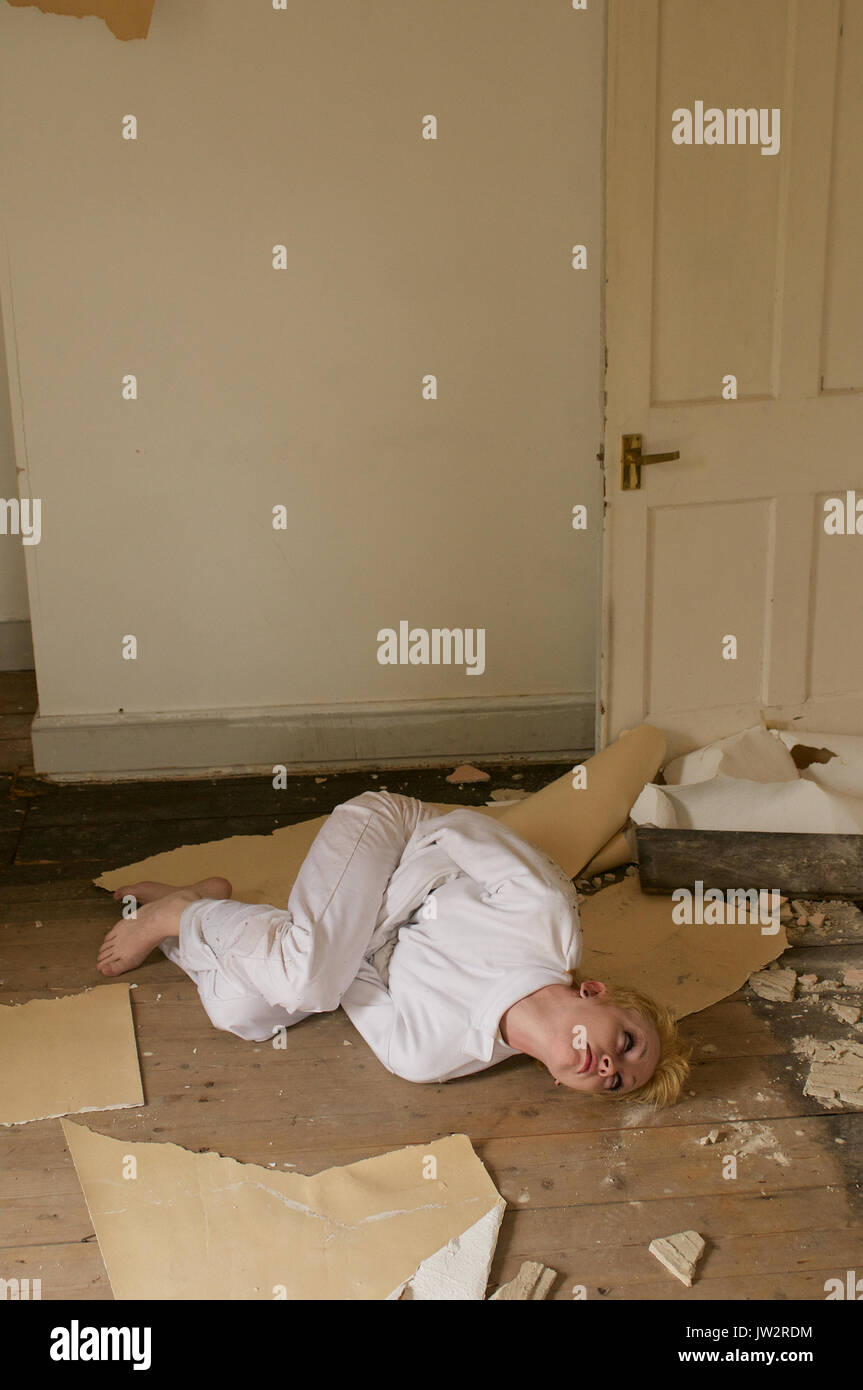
(127, 842)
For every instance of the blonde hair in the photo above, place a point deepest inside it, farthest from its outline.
(666, 1083)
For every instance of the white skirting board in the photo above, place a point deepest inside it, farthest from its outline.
(196, 743)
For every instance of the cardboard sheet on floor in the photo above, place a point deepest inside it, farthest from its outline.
(127, 19)
(65, 1056)
(630, 939)
(191, 1226)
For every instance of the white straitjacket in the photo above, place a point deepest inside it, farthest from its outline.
(424, 926)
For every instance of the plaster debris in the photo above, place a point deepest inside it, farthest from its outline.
(533, 1281)
(710, 1138)
(508, 794)
(320, 779)
(853, 977)
(757, 1138)
(459, 1271)
(835, 1072)
(774, 984)
(849, 1013)
(679, 1253)
(467, 773)
(833, 920)
(807, 981)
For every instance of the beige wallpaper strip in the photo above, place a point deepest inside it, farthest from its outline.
(62, 1056)
(192, 1225)
(127, 19)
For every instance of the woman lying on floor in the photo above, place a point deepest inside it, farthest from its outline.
(449, 940)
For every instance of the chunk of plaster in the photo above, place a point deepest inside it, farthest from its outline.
(836, 1073)
(679, 1253)
(466, 773)
(191, 1226)
(711, 1137)
(459, 1271)
(774, 984)
(65, 1056)
(849, 1013)
(532, 1282)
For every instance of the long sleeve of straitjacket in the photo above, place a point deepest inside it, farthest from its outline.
(305, 957)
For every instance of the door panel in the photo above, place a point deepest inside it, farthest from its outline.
(723, 261)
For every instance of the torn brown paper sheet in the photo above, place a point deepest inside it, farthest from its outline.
(64, 1056)
(631, 939)
(127, 19)
(190, 1226)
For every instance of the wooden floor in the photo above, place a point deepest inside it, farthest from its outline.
(589, 1183)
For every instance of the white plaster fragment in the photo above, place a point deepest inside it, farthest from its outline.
(774, 984)
(532, 1282)
(459, 1270)
(679, 1253)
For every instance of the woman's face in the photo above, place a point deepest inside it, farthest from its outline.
(608, 1049)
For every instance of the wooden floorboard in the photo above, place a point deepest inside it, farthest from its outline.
(589, 1183)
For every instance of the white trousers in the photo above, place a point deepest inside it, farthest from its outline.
(258, 967)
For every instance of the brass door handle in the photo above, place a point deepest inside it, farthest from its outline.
(632, 460)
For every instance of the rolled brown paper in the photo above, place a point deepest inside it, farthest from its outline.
(573, 824)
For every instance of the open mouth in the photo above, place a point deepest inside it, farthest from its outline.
(587, 1064)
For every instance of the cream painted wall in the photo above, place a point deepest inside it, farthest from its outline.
(303, 386)
(13, 583)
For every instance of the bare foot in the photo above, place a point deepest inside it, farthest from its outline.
(149, 891)
(133, 938)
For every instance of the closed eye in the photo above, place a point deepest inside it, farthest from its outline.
(629, 1044)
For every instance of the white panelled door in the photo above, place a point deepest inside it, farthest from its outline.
(734, 264)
